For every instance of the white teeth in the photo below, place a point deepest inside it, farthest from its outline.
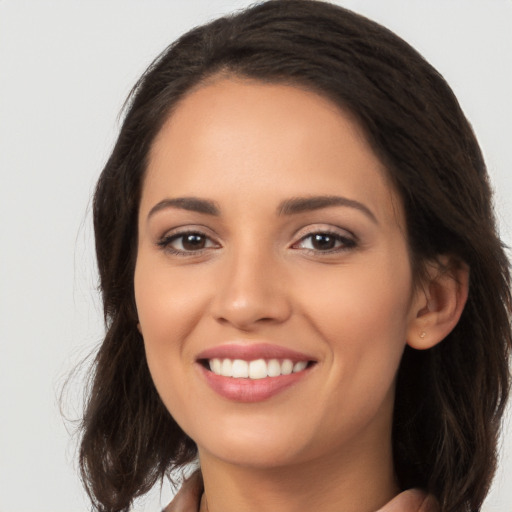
(240, 369)
(215, 366)
(298, 367)
(274, 368)
(286, 367)
(227, 368)
(257, 369)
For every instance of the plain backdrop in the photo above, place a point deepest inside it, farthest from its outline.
(65, 69)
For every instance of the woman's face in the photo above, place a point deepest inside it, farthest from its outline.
(271, 241)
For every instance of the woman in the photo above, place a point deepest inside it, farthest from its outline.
(302, 280)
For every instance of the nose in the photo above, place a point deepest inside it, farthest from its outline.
(252, 291)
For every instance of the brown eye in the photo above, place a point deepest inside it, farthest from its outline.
(193, 242)
(187, 243)
(325, 242)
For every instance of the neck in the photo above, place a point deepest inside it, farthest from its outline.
(358, 480)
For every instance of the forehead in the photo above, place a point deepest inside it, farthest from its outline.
(274, 138)
(247, 113)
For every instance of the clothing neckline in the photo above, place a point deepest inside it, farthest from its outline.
(188, 499)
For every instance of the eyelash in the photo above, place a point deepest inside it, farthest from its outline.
(345, 243)
(166, 243)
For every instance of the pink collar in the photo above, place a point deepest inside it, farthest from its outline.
(412, 500)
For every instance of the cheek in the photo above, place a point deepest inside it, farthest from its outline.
(169, 304)
(362, 313)
(362, 319)
(167, 308)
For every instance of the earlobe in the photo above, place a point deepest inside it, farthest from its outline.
(439, 303)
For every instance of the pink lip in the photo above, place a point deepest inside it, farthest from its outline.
(251, 390)
(252, 352)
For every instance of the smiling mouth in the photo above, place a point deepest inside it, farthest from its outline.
(256, 369)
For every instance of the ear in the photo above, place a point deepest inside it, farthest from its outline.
(438, 302)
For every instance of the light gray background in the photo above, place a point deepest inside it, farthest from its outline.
(65, 68)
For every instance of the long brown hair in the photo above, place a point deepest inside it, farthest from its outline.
(449, 399)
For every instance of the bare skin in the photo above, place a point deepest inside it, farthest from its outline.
(253, 260)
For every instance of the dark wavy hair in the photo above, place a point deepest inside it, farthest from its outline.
(449, 399)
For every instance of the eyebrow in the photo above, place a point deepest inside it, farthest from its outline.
(291, 206)
(193, 204)
(306, 204)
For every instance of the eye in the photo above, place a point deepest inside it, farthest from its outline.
(187, 242)
(325, 242)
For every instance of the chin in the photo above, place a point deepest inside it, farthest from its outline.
(262, 456)
(271, 443)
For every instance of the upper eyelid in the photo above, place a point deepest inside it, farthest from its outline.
(323, 228)
(345, 240)
(299, 234)
(168, 237)
(187, 228)
(166, 242)
(177, 236)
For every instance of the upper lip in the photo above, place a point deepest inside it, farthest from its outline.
(253, 351)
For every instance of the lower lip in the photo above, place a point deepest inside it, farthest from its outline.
(250, 390)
